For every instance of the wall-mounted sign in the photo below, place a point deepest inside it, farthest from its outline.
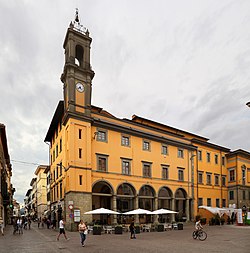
(77, 215)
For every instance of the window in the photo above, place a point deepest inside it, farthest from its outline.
(200, 177)
(165, 172)
(231, 175)
(80, 180)
(217, 202)
(57, 174)
(164, 149)
(209, 202)
(216, 159)
(209, 181)
(200, 202)
(80, 134)
(223, 180)
(223, 161)
(125, 167)
(180, 153)
(180, 174)
(146, 170)
(199, 155)
(216, 179)
(61, 193)
(208, 157)
(224, 203)
(243, 175)
(60, 169)
(102, 135)
(125, 141)
(102, 162)
(56, 150)
(231, 195)
(60, 149)
(146, 145)
(249, 195)
(244, 195)
(80, 153)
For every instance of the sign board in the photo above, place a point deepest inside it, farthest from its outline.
(239, 216)
(71, 202)
(71, 215)
(77, 215)
(248, 215)
(71, 207)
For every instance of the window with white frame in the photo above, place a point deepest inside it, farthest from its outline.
(164, 149)
(126, 164)
(102, 135)
(146, 145)
(125, 140)
(180, 153)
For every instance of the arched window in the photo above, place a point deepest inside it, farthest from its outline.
(125, 189)
(79, 55)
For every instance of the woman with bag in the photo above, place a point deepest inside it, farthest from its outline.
(83, 231)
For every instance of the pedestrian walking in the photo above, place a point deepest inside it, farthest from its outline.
(29, 222)
(62, 229)
(132, 230)
(1, 226)
(38, 222)
(82, 228)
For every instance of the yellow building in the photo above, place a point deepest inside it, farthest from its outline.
(99, 160)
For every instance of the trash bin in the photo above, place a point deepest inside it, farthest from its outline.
(180, 226)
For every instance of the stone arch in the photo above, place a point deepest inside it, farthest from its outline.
(79, 55)
(102, 193)
(125, 200)
(181, 203)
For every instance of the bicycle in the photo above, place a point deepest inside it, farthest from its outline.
(201, 234)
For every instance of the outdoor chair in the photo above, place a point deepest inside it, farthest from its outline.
(90, 229)
(146, 228)
(167, 226)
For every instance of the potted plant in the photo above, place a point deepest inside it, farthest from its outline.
(97, 230)
(137, 229)
(160, 228)
(118, 229)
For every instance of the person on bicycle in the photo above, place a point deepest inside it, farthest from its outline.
(198, 225)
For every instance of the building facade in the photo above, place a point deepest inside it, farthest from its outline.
(99, 160)
(6, 188)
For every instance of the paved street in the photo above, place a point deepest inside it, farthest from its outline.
(227, 238)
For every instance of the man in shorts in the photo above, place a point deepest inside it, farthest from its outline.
(62, 230)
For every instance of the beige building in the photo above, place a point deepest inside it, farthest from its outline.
(41, 191)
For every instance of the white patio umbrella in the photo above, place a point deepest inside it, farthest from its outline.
(163, 211)
(102, 211)
(215, 210)
(138, 211)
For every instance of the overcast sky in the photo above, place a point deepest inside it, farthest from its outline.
(182, 63)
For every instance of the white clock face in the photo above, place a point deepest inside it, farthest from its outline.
(80, 87)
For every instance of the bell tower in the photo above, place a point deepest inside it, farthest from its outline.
(77, 74)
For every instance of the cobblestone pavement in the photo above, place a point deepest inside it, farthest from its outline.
(224, 239)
